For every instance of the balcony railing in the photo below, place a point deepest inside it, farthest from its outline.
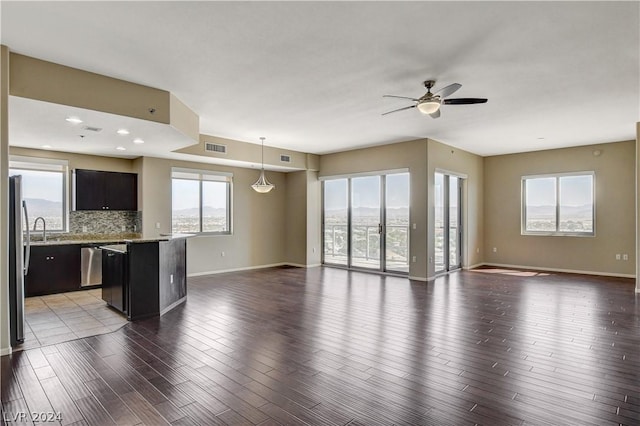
(365, 246)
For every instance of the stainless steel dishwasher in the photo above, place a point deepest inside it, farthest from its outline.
(91, 272)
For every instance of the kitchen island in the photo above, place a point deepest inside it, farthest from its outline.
(145, 277)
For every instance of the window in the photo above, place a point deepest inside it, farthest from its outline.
(44, 190)
(561, 204)
(200, 201)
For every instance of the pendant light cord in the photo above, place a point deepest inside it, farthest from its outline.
(262, 139)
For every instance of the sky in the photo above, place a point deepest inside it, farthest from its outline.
(42, 185)
(574, 191)
(185, 194)
(366, 192)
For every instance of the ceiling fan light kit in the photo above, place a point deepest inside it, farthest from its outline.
(262, 185)
(430, 103)
(429, 106)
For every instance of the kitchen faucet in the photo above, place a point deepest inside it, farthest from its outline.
(44, 228)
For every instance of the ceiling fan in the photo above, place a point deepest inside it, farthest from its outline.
(429, 103)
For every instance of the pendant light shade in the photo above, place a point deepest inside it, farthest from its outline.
(262, 185)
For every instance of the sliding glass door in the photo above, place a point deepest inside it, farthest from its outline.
(336, 218)
(396, 215)
(448, 214)
(366, 222)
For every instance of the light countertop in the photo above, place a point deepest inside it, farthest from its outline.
(93, 239)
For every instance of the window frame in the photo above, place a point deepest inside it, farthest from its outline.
(201, 176)
(557, 232)
(50, 165)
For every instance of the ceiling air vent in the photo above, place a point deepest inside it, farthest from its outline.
(92, 129)
(285, 158)
(214, 147)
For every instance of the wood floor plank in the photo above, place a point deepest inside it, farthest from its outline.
(61, 401)
(117, 409)
(143, 409)
(329, 346)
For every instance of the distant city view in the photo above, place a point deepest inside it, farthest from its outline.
(188, 220)
(572, 218)
(51, 211)
(365, 242)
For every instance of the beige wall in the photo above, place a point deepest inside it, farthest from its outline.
(5, 344)
(445, 158)
(314, 219)
(41, 80)
(637, 198)
(303, 224)
(296, 217)
(411, 155)
(259, 235)
(245, 152)
(615, 210)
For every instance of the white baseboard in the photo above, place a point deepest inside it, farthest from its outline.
(477, 265)
(423, 279)
(568, 271)
(248, 268)
(299, 265)
(5, 351)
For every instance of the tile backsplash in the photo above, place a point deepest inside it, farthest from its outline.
(104, 222)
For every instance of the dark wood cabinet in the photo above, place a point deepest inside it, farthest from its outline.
(115, 279)
(173, 272)
(53, 269)
(98, 190)
(145, 279)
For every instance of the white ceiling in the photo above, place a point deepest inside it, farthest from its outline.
(310, 75)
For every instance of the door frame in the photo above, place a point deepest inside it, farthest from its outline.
(446, 219)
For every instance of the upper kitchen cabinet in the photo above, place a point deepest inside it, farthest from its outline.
(98, 190)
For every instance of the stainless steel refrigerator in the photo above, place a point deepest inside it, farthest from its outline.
(19, 250)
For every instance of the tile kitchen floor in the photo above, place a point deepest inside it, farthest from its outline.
(58, 318)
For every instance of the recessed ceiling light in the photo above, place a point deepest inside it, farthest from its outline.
(138, 141)
(121, 148)
(122, 132)
(46, 146)
(74, 120)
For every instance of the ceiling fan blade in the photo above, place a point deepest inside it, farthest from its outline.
(435, 114)
(400, 109)
(464, 101)
(400, 97)
(448, 90)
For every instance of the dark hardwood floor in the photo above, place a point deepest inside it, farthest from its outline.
(326, 346)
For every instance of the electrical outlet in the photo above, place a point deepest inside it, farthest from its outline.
(430, 259)
(414, 226)
(413, 259)
(495, 249)
(625, 257)
(618, 256)
(84, 228)
(222, 253)
(157, 225)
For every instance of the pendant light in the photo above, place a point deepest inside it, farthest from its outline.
(262, 185)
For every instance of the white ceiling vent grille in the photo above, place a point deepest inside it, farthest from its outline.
(92, 129)
(214, 147)
(285, 158)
